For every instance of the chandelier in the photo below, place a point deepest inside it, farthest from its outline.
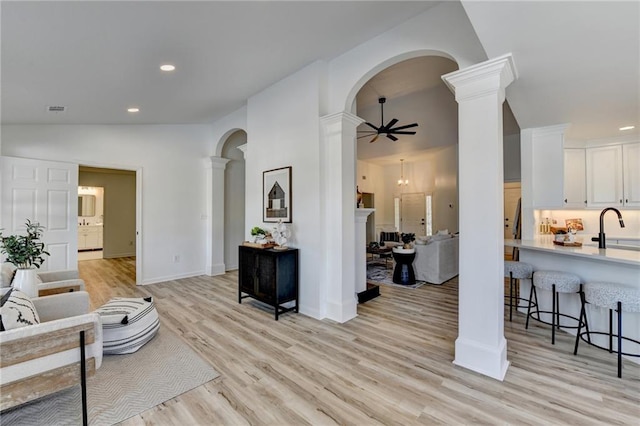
(402, 180)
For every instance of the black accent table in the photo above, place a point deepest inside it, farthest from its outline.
(403, 272)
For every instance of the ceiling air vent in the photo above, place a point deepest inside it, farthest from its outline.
(56, 108)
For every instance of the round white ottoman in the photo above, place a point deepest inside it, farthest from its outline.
(127, 324)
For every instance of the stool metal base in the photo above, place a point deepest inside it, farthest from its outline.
(555, 313)
(513, 300)
(618, 336)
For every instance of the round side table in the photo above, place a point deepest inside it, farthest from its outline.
(403, 273)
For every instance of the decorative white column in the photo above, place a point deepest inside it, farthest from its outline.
(361, 248)
(338, 202)
(215, 245)
(480, 92)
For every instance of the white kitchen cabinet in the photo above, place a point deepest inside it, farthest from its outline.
(89, 237)
(631, 174)
(575, 189)
(604, 176)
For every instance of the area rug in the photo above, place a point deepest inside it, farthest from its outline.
(124, 386)
(379, 273)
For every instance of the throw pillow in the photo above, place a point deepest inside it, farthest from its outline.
(18, 311)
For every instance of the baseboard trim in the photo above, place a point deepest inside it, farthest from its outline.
(171, 277)
(218, 269)
(342, 311)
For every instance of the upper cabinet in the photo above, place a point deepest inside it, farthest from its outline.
(631, 173)
(575, 189)
(613, 176)
(604, 176)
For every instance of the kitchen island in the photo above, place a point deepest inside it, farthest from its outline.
(620, 266)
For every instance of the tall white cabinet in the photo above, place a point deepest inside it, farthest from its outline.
(575, 191)
(631, 174)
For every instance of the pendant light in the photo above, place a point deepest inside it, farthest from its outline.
(402, 180)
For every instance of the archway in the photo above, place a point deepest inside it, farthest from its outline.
(480, 91)
(234, 193)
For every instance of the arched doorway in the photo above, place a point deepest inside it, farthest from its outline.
(234, 193)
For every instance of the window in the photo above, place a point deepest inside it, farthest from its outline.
(429, 215)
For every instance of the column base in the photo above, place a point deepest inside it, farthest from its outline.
(483, 359)
(342, 312)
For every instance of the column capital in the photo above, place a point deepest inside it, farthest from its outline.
(243, 148)
(340, 117)
(217, 162)
(362, 214)
(482, 79)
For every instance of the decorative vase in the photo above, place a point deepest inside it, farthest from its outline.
(25, 281)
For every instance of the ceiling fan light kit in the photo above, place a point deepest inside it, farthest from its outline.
(388, 130)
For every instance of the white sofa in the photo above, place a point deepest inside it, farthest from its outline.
(40, 359)
(437, 260)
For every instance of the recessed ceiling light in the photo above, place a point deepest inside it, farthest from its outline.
(627, 128)
(167, 67)
(133, 109)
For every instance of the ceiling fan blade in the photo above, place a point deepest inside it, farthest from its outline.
(393, 138)
(367, 135)
(400, 132)
(406, 126)
(374, 138)
(391, 123)
(372, 126)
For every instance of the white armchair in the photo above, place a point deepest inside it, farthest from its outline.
(44, 358)
(53, 282)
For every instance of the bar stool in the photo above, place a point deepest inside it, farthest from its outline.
(557, 282)
(516, 271)
(613, 297)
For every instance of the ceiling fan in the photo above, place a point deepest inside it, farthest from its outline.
(388, 130)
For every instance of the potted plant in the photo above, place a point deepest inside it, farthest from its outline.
(258, 233)
(26, 252)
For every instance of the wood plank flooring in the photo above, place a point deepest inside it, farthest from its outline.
(391, 365)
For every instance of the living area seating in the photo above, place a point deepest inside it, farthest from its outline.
(436, 258)
(52, 282)
(40, 359)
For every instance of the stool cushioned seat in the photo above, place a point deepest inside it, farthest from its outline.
(607, 295)
(564, 281)
(517, 270)
(128, 323)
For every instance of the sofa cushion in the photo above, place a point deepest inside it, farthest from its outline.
(17, 311)
(8, 271)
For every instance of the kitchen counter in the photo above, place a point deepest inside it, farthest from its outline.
(589, 263)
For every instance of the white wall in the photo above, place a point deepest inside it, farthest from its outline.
(283, 130)
(173, 181)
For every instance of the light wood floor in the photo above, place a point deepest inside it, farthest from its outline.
(391, 365)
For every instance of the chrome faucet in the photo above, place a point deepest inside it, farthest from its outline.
(601, 237)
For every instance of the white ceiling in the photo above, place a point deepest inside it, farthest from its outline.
(98, 58)
(578, 61)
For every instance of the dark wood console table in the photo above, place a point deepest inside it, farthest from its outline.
(270, 276)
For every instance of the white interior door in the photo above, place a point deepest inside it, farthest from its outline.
(511, 196)
(44, 192)
(413, 213)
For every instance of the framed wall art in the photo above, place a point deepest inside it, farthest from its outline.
(276, 195)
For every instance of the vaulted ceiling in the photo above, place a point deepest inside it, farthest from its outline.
(578, 61)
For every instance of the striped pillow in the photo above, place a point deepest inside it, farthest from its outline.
(127, 323)
(17, 311)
